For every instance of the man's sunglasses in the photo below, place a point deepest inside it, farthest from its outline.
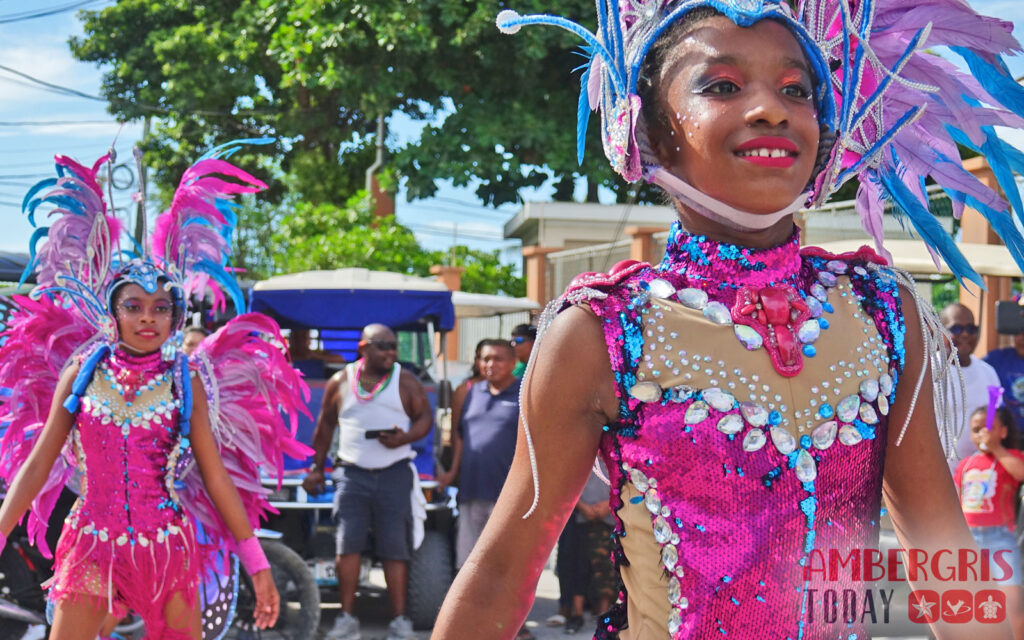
(957, 329)
(384, 346)
(518, 339)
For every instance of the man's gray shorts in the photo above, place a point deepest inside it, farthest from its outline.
(374, 500)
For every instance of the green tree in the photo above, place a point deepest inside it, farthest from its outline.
(484, 273)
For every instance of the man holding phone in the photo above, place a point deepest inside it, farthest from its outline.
(1009, 361)
(381, 409)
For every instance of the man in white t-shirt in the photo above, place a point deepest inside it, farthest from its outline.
(978, 375)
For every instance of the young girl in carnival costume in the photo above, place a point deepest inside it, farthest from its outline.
(754, 401)
(988, 482)
(169, 446)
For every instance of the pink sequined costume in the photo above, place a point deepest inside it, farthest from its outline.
(127, 540)
(746, 442)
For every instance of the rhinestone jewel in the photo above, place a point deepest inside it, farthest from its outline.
(639, 480)
(809, 331)
(883, 405)
(869, 389)
(815, 306)
(669, 557)
(849, 435)
(696, 412)
(847, 408)
(824, 434)
(885, 384)
(754, 414)
(749, 338)
(782, 440)
(718, 399)
(662, 532)
(806, 469)
(827, 278)
(646, 391)
(867, 414)
(659, 288)
(675, 620)
(836, 266)
(754, 440)
(692, 298)
(730, 424)
(674, 590)
(718, 313)
(819, 292)
(652, 501)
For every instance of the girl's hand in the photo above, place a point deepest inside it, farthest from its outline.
(268, 602)
(989, 441)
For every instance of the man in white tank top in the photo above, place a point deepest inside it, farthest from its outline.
(381, 410)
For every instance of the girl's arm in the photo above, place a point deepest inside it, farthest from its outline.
(33, 474)
(569, 396)
(225, 497)
(1012, 463)
(918, 488)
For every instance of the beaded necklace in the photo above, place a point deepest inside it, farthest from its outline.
(366, 396)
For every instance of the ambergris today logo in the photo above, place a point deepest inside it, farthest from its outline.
(957, 606)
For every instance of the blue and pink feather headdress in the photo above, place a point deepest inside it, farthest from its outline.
(897, 110)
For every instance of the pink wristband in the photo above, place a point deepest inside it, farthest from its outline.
(251, 555)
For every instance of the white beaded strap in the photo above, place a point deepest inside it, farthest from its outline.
(936, 341)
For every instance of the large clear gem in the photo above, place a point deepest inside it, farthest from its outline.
(674, 590)
(692, 298)
(652, 501)
(675, 620)
(718, 313)
(824, 434)
(869, 389)
(696, 412)
(730, 424)
(806, 469)
(682, 392)
(749, 338)
(847, 408)
(867, 414)
(754, 440)
(669, 557)
(662, 530)
(718, 399)
(849, 435)
(836, 266)
(646, 391)
(638, 479)
(754, 414)
(809, 331)
(661, 288)
(827, 278)
(783, 440)
(815, 306)
(885, 383)
(883, 405)
(819, 292)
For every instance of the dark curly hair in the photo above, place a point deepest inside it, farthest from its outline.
(1005, 417)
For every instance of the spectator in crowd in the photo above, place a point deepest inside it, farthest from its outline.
(1009, 364)
(380, 410)
(311, 362)
(978, 376)
(523, 337)
(485, 429)
(192, 337)
(590, 575)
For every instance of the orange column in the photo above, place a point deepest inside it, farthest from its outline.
(535, 268)
(642, 246)
(450, 277)
(975, 229)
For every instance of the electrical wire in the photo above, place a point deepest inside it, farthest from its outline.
(44, 13)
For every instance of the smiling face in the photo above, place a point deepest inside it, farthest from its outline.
(738, 119)
(143, 319)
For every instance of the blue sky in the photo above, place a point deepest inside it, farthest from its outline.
(36, 123)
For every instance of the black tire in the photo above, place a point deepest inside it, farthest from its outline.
(300, 598)
(431, 572)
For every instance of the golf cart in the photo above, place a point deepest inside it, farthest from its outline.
(337, 305)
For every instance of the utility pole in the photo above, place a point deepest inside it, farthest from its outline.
(140, 214)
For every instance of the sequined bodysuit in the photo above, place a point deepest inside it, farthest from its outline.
(126, 539)
(754, 389)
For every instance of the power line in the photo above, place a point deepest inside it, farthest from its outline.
(52, 11)
(44, 123)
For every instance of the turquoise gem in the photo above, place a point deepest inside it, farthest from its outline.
(810, 351)
(826, 411)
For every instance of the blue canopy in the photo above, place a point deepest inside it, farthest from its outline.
(352, 299)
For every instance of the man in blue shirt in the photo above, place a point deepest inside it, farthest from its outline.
(1009, 364)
